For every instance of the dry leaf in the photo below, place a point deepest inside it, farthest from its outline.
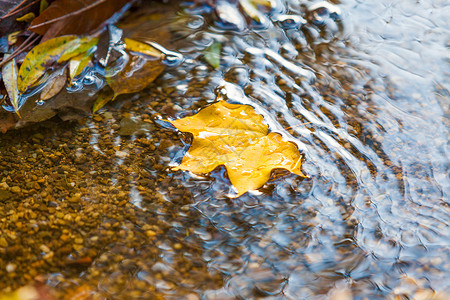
(235, 136)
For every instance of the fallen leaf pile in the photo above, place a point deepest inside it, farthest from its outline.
(71, 47)
(53, 56)
(235, 136)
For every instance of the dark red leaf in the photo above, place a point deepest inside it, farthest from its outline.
(65, 17)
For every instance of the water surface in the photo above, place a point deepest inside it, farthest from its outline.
(360, 87)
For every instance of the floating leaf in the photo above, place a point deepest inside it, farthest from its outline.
(78, 63)
(10, 74)
(235, 136)
(143, 48)
(54, 84)
(103, 97)
(137, 75)
(59, 49)
(212, 54)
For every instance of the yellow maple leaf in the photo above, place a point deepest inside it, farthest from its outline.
(234, 135)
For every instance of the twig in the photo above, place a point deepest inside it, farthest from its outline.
(14, 9)
(74, 13)
(28, 42)
(17, 10)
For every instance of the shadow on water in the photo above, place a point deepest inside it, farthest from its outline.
(361, 88)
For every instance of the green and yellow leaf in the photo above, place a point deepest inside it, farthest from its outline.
(84, 45)
(77, 64)
(105, 96)
(59, 50)
(143, 48)
(212, 54)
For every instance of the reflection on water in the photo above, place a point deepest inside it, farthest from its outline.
(361, 87)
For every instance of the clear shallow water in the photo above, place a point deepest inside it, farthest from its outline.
(368, 108)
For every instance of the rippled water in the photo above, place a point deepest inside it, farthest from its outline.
(361, 88)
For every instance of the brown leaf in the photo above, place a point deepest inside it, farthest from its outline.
(106, 95)
(64, 17)
(54, 85)
(7, 121)
(136, 76)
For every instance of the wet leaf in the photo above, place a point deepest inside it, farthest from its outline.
(83, 45)
(143, 48)
(64, 17)
(235, 136)
(54, 84)
(212, 54)
(137, 75)
(103, 97)
(7, 121)
(77, 65)
(58, 49)
(10, 75)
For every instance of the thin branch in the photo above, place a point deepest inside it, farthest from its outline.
(17, 10)
(28, 42)
(74, 13)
